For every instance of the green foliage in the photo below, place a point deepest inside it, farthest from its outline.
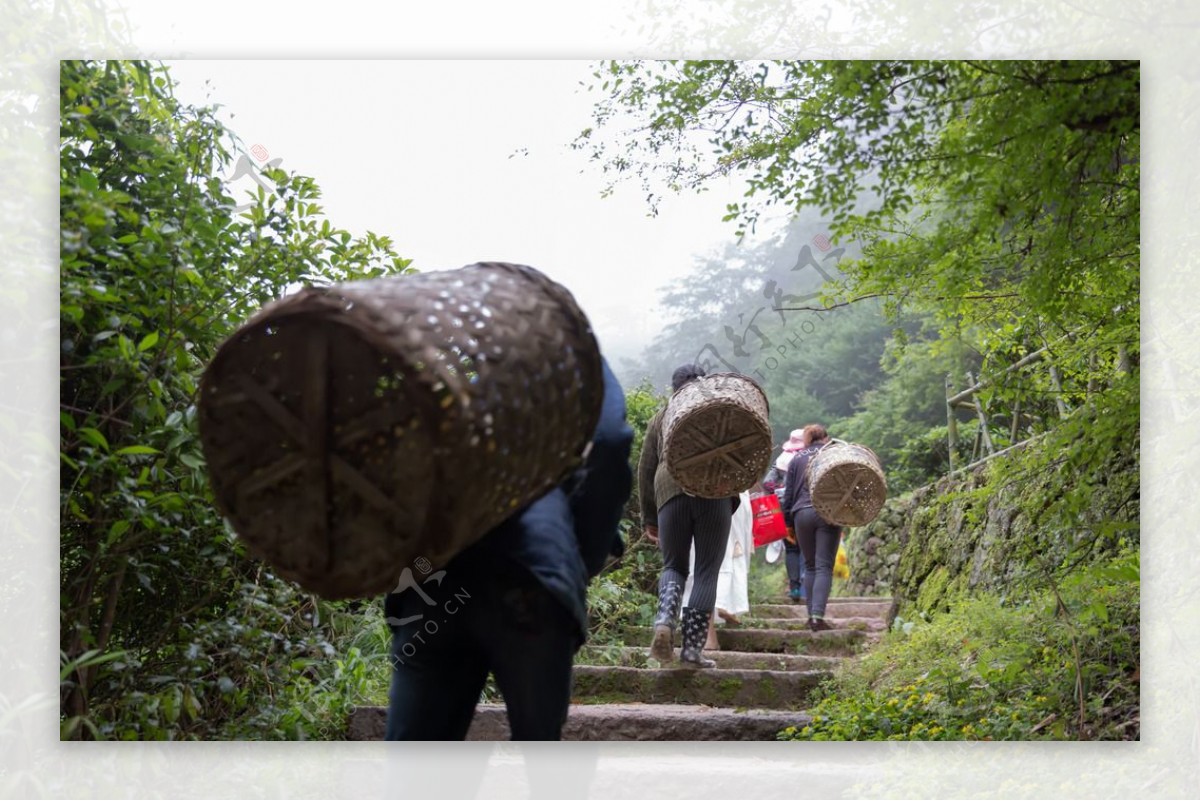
(903, 418)
(185, 634)
(1058, 664)
(626, 593)
(641, 403)
(1062, 513)
(1001, 198)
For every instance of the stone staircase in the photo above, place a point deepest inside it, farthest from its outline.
(766, 670)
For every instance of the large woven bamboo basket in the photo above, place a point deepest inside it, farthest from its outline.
(847, 483)
(716, 435)
(360, 428)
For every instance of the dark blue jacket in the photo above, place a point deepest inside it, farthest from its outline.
(797, 494)
(565, 537)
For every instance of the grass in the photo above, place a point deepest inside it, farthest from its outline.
(1062, 664)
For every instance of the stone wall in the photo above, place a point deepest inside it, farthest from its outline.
(962, 534)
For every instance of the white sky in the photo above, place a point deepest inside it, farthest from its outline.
(465, 161)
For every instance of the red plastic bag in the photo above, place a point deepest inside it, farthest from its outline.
(769, 525)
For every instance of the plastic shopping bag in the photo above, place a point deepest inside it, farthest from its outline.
(769, 525)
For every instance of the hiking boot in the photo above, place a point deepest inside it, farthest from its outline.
(662, 645)
(818, 624)
(695, 630)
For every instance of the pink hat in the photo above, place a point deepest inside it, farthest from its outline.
(795, 441)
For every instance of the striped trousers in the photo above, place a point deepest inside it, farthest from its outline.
(683, 520)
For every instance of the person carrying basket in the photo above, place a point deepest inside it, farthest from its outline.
(818, 538)
(674, 520)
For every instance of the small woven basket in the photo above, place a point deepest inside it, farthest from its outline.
(847, 483)
(356, 429)
(716, 435)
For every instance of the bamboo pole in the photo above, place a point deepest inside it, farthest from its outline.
(966, 393)
(1016, 422)
(1056, 386)
(984, 437)
(951, 423)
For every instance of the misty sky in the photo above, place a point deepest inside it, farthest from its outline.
(465, 161)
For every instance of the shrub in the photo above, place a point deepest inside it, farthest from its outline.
(167, 629)
(1061, 665)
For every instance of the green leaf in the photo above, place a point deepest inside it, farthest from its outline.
(128, 239)
(116, 530)
(148, 341)
(93, 437)
(86, 659)
(172, 702)
(192, 460)
(135, 450)
(88, 181)
(191, 706)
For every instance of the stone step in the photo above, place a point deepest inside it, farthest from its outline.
(616, 722)
(836, 608)
(838, 642)
(835, 600)
(801, 623)
(630, 656)
(719, 687)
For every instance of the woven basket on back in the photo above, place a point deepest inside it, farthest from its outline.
(716, 438)
(355, 429)
(847, 483)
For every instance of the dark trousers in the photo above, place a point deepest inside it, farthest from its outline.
(706, 521)
(819, 542)
(447, 637)
(793, 560)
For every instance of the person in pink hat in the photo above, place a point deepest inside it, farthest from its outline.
(791, 550)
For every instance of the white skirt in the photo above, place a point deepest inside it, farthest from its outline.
(733, 594)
